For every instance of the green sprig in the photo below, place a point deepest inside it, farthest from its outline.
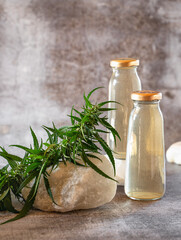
(69, 143)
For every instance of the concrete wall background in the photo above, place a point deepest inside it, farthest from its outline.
(53, 51)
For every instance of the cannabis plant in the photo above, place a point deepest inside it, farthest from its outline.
(82, 139)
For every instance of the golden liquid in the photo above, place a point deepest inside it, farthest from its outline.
(123, 82)
(145, 162)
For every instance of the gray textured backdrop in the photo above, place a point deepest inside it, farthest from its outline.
(53, 51)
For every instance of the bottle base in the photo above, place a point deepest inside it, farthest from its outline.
(144, 196)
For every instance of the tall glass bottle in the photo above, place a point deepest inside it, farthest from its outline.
(123, 82)
(145, 158)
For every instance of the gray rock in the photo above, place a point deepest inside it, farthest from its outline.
(76, 187)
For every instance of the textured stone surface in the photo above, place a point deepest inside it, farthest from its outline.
(74, 187)
(122, 218)
(52, 51)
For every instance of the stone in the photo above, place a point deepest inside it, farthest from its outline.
(173, 153)
(76, 187)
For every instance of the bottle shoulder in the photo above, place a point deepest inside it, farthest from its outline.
(147, 113)
(133, 82)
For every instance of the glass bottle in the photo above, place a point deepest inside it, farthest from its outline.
(145, 158)
(123, 82)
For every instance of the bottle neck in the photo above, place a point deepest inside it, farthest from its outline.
(133, 68)
(153, 104)
(124, 70)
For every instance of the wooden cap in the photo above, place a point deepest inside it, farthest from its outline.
(124, 62)
(146, 95)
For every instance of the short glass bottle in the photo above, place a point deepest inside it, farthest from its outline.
(145, 159)
(123, 82)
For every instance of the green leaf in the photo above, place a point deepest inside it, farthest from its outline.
(88, 96)
(27, 206)
(33, 166)
(48, 128)
(55, 139)
(46, 144)
(87, 102)
(51, 146)
(74, 147)
(75, 118)
(24, 148)
(72, 119)
(93, 156)
(93, 166)
(3, 195)
(3, 149)
(106, 109)
(101, 131)
(35, 140)
(3, 180)
(80, 114)
(38, 178)
(47, 185)
(85, 118)
(106, 102)
(76, 163)
(67, 143)
(107, 150)
(50, 138)
(8, 203)
(11, 159)
(27, 180)
(107, 125)
(41, 143)
(90, 145)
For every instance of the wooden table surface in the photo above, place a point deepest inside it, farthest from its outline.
(120, 219)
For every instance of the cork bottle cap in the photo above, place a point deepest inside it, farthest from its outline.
(146, 95)
(124, 62)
